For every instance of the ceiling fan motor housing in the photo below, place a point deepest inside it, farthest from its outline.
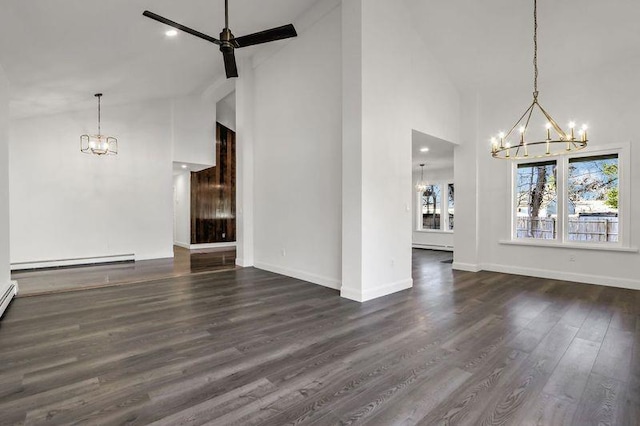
(226, 39)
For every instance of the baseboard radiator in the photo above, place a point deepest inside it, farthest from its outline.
(58, 263)
(7, 295)
(432, 247)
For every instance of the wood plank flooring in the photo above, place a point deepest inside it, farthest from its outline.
(185, 262)
(247, 347)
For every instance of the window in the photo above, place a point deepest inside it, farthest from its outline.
(431, 207)
(451, 205)
(593, 199)
(572, 199)
(436, 207)
(537, 200)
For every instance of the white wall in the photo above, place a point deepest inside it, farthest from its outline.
(403, 88)
(226, 112)
(297, 155)
(182, 209)
(609, 100)
(194, 130)
(431, 238)
(69, 205)
(4, 183)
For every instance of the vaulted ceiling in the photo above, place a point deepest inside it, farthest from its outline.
(489, 42)
(58, 53)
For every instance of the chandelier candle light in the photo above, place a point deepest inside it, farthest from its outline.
(557, 141)
(98, 144)
(421, 186)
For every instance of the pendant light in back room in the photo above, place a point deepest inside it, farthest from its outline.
(98, 144)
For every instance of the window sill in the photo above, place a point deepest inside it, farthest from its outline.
(433, 231)
(572, 246)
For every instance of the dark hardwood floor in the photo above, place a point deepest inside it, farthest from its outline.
(251, 347)
(185, 262)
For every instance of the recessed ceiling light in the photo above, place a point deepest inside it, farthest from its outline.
(424, 149)
(171, 33)
(184, 166)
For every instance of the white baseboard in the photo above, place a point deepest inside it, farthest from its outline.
(19, 266)
(183, 245)
(432, 247)
(7, 293)
(212, 245)
(564, 276)
(469, 267)
(241, 262)
(374, 293)
(155, 256)
(204, 246)
(301, 275)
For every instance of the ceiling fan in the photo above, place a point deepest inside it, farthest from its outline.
(228, 42)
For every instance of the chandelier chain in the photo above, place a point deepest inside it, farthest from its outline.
(99, 129)
(559, 144)
(535, 48)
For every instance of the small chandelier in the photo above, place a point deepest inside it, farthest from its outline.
(98, 144)
(421, 186)
(556, 142)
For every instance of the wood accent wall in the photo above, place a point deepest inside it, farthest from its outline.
(213, 194)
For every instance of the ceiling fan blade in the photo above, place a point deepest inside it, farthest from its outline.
(279, 33)
(180, 27)
(230, 63)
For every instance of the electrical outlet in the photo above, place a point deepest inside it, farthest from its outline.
(284, 253)
(393, 262)
(224, 235)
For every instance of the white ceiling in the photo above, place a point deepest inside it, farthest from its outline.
(439, 156)
(490, 42)
(57, 54)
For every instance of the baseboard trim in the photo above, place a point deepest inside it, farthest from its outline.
(155, 256)
(374, 293)
(212, 245)
(331, 283)
(41, 264)
(469, 267)
(432, 247)
(6, 296)
(204, 246)
(242, 263)
(564, 276)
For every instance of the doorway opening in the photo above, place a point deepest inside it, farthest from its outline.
(433, 224)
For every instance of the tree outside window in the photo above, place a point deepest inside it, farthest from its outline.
(537, 200)
(589, 195)
(593, 199)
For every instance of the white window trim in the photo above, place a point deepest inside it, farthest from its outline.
(624, 202)
(444, 218)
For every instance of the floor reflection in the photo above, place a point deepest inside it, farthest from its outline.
(185, 262)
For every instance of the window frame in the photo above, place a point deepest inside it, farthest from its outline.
(444, 207)
(562, 173)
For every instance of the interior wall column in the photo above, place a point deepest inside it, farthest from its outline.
(466, 237)
(7, 288)
(245, 168)
(352, 225)
(377, 190)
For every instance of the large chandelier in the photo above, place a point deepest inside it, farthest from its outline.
(556, 142)
(98, 144)
(421, 185)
